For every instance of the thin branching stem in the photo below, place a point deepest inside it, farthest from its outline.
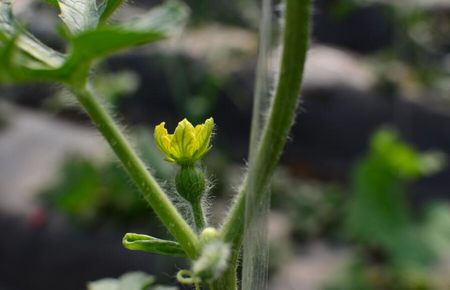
(152, 191)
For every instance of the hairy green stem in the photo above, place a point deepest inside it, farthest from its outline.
(228, 281)
(281, 116)
(199, 216)
(153, 193)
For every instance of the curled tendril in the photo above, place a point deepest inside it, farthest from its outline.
(185, 276)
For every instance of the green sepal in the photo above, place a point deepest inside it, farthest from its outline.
(153, 245)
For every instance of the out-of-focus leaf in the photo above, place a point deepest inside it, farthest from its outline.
(79, 15)
(88, 193)
(17, 66)
(36, 61)
(378, 215)
(79, 190)
(26, 42)
(159, 23)
(128, 281)
(152, 245)
(39, 51)
(107, 8)
(436, 229)
(104, 284)
(135, 281)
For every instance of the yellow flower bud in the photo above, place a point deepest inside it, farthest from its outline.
(188, 143)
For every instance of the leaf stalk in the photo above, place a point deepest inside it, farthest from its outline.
(137, 170)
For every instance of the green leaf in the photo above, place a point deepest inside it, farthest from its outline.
(25, 41)
(79, 15)
(100, 43)
(107, 8)
(152, 245)
(128, 281)
(18, 66)
(36, 61)
(159, 23)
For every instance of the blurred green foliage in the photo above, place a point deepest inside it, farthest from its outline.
(128, 281)
(436, 229)
(89, 192)
(395, 251)
(379, 216)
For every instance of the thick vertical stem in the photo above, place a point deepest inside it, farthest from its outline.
(281, 116)
(153, 193)
(229, 279)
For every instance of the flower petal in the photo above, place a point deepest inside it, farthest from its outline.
(187, 144)
(184, 139)
(204, 137)
(162, 138)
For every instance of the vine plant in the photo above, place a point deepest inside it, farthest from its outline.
(214, 252)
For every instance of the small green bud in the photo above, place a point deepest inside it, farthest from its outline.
(190, 183)
(208, 235)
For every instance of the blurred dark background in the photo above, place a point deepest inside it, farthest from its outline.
(360, 201)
